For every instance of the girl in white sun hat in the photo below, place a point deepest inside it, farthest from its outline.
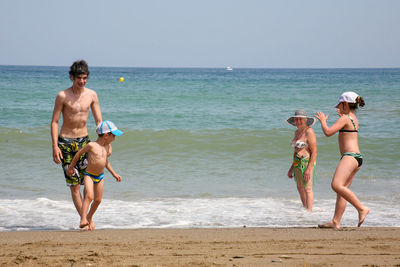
(351, 158)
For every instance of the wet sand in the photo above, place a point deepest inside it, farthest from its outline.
(365, 246)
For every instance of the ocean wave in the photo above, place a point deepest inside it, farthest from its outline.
(48, 214)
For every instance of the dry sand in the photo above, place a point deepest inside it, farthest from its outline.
(363, 246)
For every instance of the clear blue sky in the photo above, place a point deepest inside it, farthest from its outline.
(206, 33)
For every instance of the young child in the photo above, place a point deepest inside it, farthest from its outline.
(98, 153)
(351, 160)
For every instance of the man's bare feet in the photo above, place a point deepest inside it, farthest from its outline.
(330, 225)
(92, 226)
(86, 228)
(362, 215)
(83, 224)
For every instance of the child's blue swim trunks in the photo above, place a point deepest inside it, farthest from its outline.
(95, 178)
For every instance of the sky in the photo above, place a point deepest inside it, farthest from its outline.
(206, 33)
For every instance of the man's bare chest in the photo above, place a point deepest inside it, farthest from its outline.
(77, 105)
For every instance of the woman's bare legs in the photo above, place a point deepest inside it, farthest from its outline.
(306, 193)
(342, 179)
(309, 195)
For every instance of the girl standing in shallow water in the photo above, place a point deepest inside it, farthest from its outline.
(304, 157)
(351, 160)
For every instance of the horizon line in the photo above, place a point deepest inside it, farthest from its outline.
(197, 67)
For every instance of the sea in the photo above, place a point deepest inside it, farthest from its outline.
(202, 147)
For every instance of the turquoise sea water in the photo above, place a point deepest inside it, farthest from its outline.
(202, 147)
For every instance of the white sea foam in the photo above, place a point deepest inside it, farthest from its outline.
(47, 214)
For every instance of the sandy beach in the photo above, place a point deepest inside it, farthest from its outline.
(203, 247)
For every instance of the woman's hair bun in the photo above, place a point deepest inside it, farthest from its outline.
(360, 101)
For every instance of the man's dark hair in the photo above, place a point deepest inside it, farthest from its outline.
(79, 67)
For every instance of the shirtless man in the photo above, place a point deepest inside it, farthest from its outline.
(74, 103)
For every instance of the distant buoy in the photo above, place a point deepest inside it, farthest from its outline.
(121, 79)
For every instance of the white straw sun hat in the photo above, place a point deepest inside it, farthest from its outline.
(301, 114)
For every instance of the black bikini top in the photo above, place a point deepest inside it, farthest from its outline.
(349, 131)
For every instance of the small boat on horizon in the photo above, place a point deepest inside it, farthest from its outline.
(229, 68)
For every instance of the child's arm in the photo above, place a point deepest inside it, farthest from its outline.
(113, 173)
(109, 168)
(329, 131)
(83, 150)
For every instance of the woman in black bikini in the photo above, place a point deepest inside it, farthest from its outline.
(351, 160)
